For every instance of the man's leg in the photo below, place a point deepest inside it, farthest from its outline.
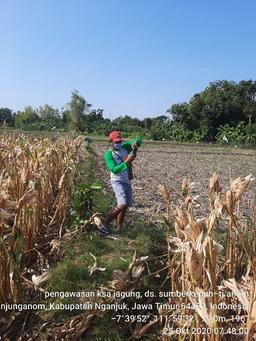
(120, 218)
(115, 213)
(127, 187)
(118, 213)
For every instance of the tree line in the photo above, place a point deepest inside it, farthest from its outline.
(78, 115)
(223, 106)
(221, 103)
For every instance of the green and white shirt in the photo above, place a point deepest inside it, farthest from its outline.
(113, 160)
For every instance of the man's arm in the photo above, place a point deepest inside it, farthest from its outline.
(111, 163)
(128, 145)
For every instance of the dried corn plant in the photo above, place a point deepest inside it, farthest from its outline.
(198, 263)
(36, 179)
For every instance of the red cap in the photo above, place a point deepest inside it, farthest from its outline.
(115, 136)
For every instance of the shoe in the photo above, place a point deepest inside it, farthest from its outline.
(102, 235)
(105, 229)
(112, 236)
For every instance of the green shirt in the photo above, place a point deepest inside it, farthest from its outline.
(110, 162)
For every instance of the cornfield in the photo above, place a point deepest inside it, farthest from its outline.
(217, 278)
(206, 287)
(36, 179)
(205, 277)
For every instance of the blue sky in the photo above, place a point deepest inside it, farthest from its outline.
(134, 57)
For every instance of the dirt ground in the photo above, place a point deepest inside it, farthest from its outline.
(166, 163)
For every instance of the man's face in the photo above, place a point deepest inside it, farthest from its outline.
(117, 145)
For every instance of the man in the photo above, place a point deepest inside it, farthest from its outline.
(119, 160)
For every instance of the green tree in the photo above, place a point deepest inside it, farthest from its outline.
(247, 91)
(49, 116)
(147, 122)
(28, 119)
(222, 102)
(78, 108)
(65, 118)
(127, 124)
(250, 111)
(93, 119)
(179, 113)
(6, 117)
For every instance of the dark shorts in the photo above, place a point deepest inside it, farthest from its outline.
(123, 192)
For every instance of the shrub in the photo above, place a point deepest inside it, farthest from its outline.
(172, 131)
(241, 134)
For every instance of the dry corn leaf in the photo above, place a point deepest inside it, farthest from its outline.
(238, 291)
(201, 308)
(193, 230)
(178, 228)
(217, 247)
(210, 220)
(143, 259)
(118, 284)
(94, 267)
(119, 274)
(219, 206)
(144, 329)
(38, 280)
(131, 264)
(6, 203)
(55, 244)
(165, 192)
(28, 198)
(241, 186)
(182, 218)
(137, 271)
(5, 215)
(61, 180)
(194, 263)
(214, 187)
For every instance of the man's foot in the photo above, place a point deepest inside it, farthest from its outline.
(102, 235)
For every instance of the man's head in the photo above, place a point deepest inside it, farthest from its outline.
(116, 139)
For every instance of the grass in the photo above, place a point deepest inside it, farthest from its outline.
(103, 329)
(72, 273)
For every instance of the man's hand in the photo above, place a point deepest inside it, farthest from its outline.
(134, 148)
(135, 145)
(130, 159)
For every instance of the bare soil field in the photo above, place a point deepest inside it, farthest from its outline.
(166, 163)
